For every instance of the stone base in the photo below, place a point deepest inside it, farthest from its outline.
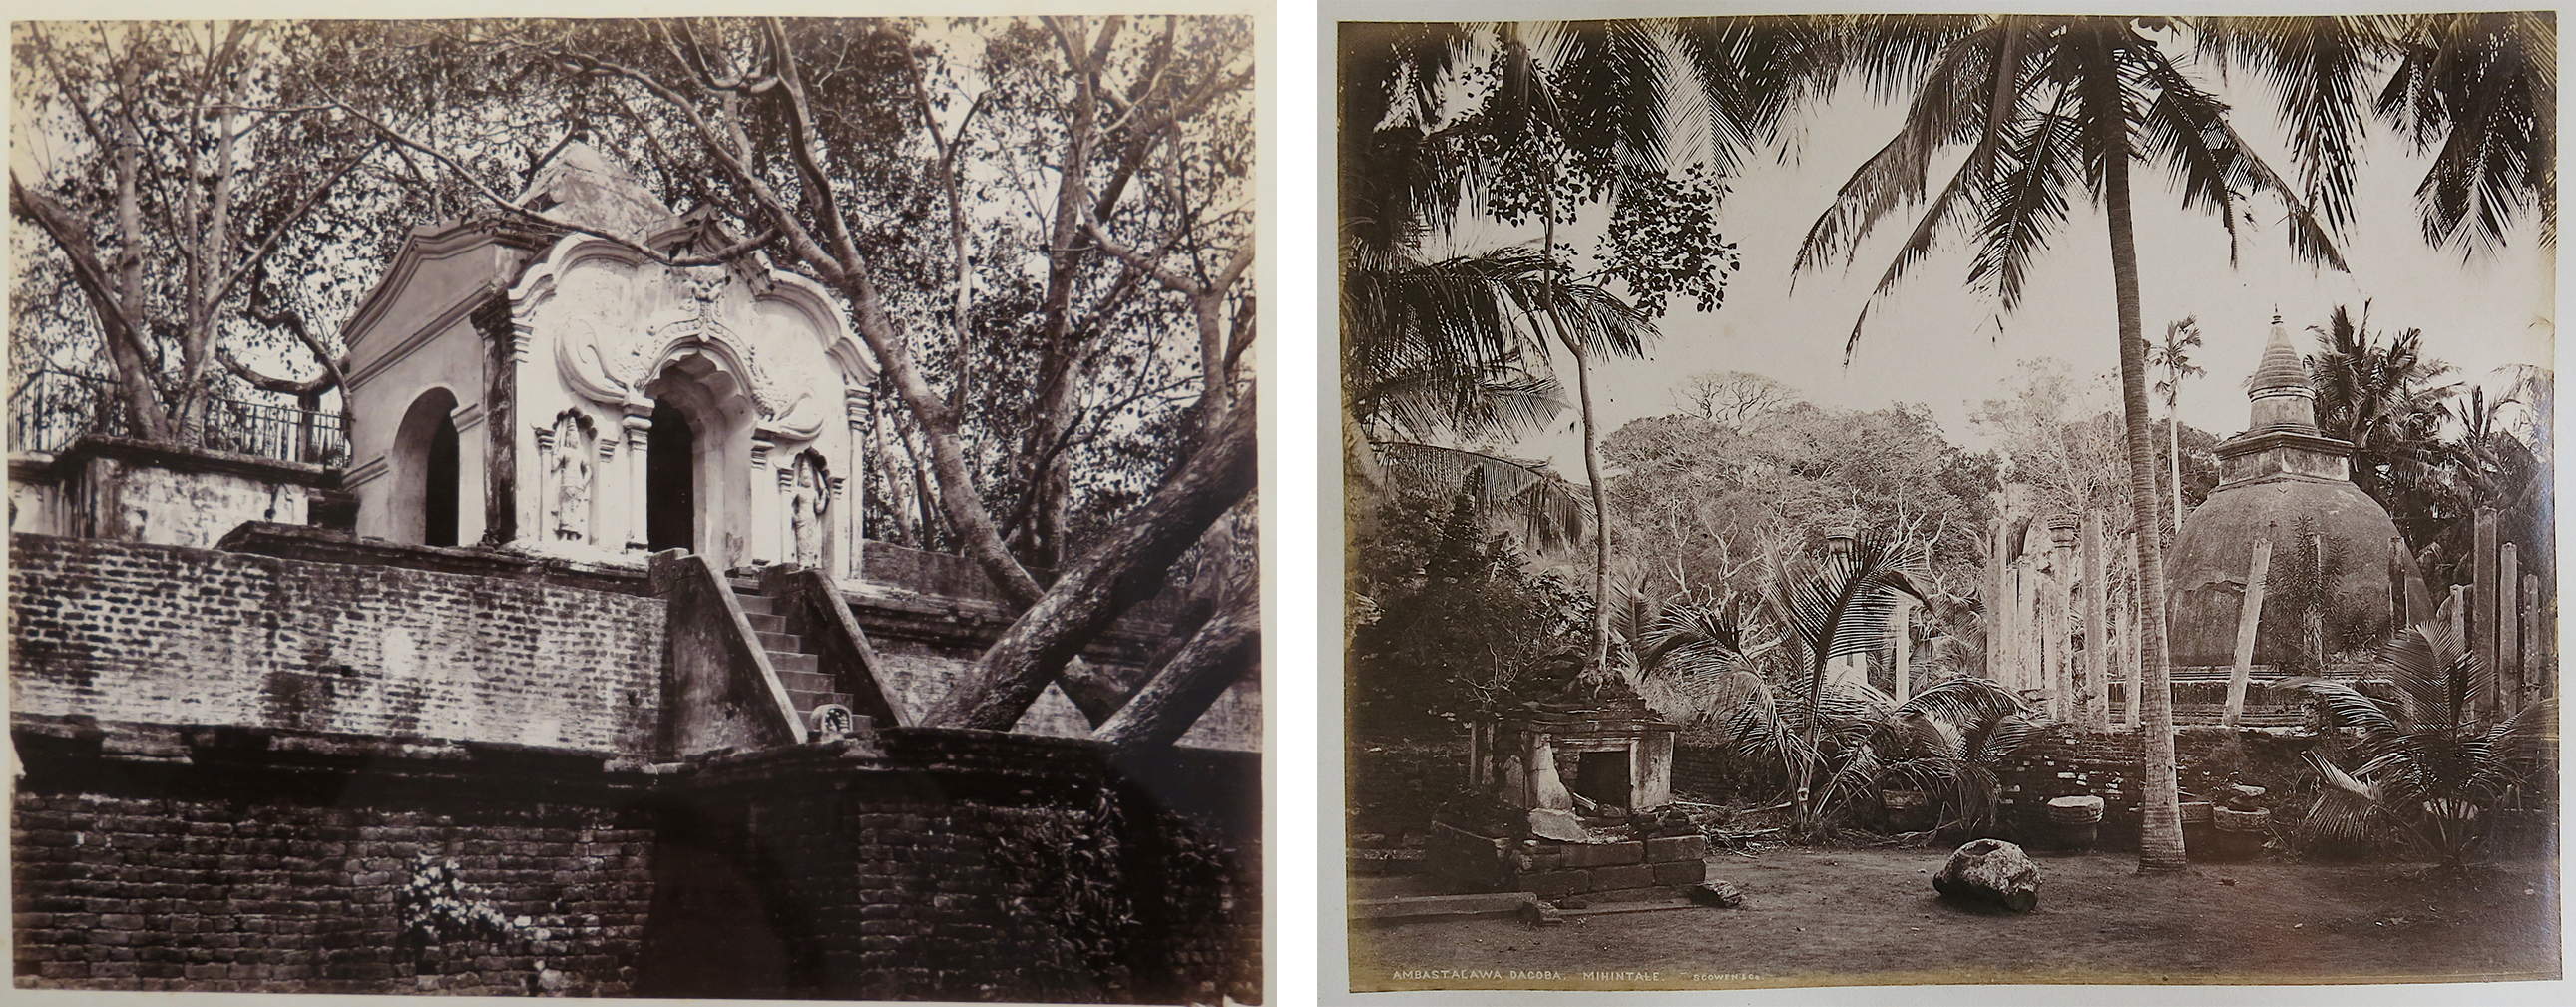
(1622, 871)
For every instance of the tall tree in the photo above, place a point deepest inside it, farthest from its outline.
(174, 165)
(2385, 397)
(2047, 106)
(1561, 118)
(1041, 229)
(2173, 356)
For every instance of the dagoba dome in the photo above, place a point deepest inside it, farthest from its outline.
(2279, 479)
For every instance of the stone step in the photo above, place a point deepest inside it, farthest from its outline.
(785, 661)
(755, 604)
(788, 642)
(768, 623)
(807, 701)
(808, 681)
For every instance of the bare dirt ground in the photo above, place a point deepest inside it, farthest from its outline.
(1818, 916)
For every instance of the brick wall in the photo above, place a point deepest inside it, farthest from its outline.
(2067, 763)
(230, 877)
(968, 866)
(125, 631)
(922, 864)
(1394, 784)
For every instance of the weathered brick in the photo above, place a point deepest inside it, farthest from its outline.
(1673, 848)
(1606, 854)
(1681, 872)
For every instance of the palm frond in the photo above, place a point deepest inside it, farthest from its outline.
(2319, 70)
(1548, 510)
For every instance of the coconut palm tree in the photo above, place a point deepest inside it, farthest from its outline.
(2050, 107)
(2386, 397)
(2429, 766)
(2173, 357)
(2484, 89)
(1565, 115)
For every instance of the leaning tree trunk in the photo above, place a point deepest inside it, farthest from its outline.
(2160, 835)
(1127, 568)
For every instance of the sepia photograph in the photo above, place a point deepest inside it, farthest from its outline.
(702, 507)
(1894, 499)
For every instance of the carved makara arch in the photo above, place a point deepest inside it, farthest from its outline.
(616, 321)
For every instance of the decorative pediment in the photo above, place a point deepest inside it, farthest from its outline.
(614, 321)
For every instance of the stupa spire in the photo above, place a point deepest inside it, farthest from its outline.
(2280, 392)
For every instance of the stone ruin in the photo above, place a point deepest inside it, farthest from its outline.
(1576, 787)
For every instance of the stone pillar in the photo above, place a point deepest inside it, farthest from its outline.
(1998, 606)
(1900, 644)
(2508, 631)
(2061, 588)
(639, 439)
(785, 503)
(2097, 627)
(2536, 667)
(2457, 613)
(2249, 621)
(2481, 617)
(2022, 641)
(2132, 654)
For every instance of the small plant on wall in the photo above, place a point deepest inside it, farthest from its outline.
(437, 906)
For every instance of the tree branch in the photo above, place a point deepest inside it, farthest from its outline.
(1222, 651)
(1126, 568)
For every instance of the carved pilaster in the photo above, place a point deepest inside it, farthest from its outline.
(765, 512)
(501, 340)
(851, 489)
(639, 436)
(546, 488)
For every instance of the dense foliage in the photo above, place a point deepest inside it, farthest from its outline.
(1453, 619)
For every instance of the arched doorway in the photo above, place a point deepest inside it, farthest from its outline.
(670, 481)
(440, 483)
(426, 472)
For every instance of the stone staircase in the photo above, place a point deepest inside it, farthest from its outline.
(798, 668)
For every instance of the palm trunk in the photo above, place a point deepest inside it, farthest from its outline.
(2173, 451)
(2160, 834)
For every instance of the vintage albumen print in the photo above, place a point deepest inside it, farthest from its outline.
(704, 507)
(1910, 499)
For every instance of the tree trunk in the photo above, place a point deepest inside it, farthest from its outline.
(146, 420)
(1600, 662)
(2160, 835)
(1166, 707)
(2173, 437)
(1126, 568)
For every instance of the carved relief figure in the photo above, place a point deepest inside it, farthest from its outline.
(813, 497)
(571, 471)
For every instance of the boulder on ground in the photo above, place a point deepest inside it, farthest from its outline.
(1721, 894)
(1990, 870)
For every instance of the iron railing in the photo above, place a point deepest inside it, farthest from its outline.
(53, 409)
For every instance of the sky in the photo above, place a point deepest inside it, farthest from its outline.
(1936, 342)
